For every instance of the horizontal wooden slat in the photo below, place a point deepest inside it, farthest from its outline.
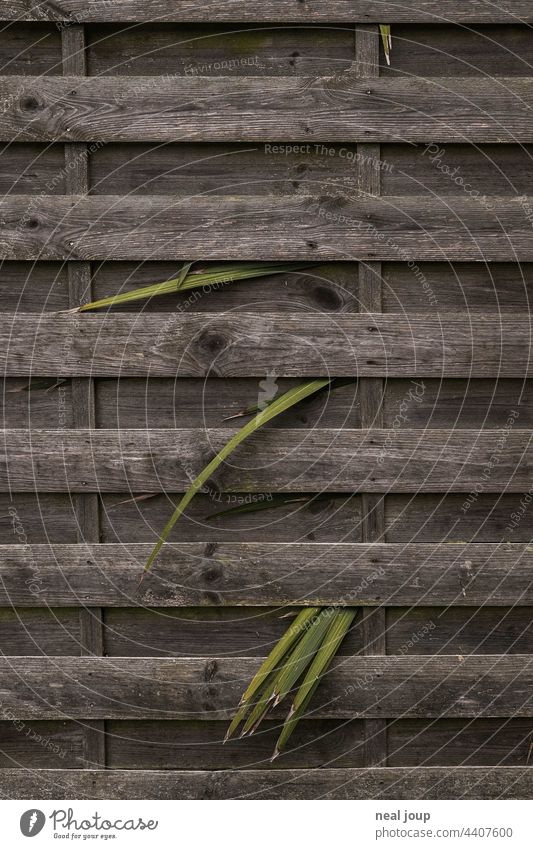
(286, 11)
(193, 688)
(137, 744)
(298, 227)
(292, 109)
(272, 460)
(254, 631)
(267, 574)
(396, 783)
(191, 344)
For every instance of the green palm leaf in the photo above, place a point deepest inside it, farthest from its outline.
(278, 406)
(386, 38)
(187, 280)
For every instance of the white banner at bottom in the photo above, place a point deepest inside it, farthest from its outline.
(268, 824)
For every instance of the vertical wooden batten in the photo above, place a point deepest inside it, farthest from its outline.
(371, 390)
(86, 506)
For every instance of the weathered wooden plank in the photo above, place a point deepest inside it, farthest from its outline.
(43, 745)
(29, 48)
(281, 11)
(212, 49)
(333, 227)
(194, 745)
(37, 518)
(235, 631)
(436, 403)
(458, 630)
(448, 50)
(192, 169)
(468, 461)
(325, 287)
(300, 345)
(303, 109)
(43, 402)
(482, 171)
(201, 688)
(29, 631)
(141, 402)
(483, 742)
(254, 631)
(455, 287)
(34, 286)
(396, 783)
(489, 517)
(267, 574)
(48, 518)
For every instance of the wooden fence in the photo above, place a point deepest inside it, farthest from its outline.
(137, 135)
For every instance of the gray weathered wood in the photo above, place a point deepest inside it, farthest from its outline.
(202, 688)
(250, 50)
(48, 518)
(397, 783)
(491, 518)
(191, 169)
(85, 505)
(280, 109)
(267, 574)
(371, 390)
(254, 631)
(310, 345)
(282, 11)
(332, 227)
(135, 744)
(272, 460)
(199, 402)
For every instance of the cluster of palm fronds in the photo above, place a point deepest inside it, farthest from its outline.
(305, 652)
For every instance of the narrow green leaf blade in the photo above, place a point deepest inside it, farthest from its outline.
(284, 402)
(187, 280)
(273, 503)
(386, 38)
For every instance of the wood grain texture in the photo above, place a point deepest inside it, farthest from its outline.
(326, 460)
(298, 227)
(396, 783)
(282, 11)
(267, 574)
(301, 345)
(321, 743)
(201, 688)
(279, 109)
